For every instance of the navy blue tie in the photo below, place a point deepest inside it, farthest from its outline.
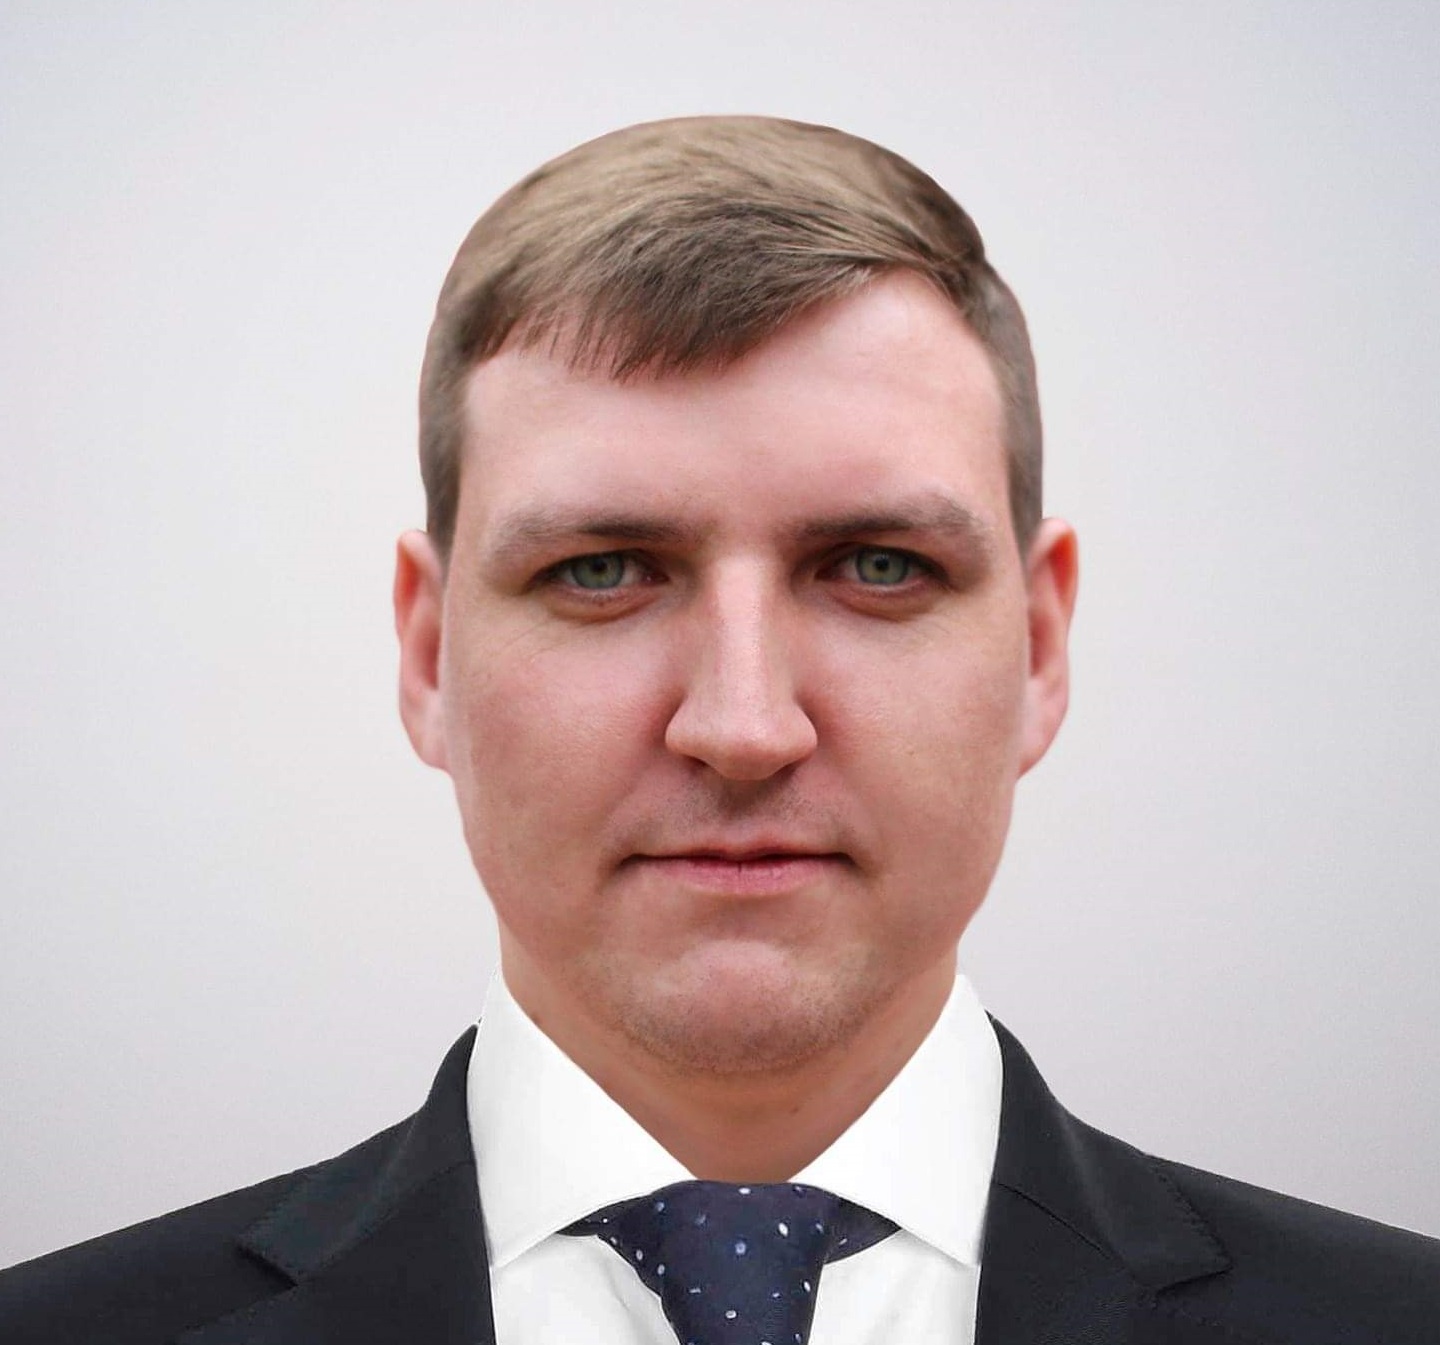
(735, 1265)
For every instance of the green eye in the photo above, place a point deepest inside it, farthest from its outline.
(873, 566)
(603, 570)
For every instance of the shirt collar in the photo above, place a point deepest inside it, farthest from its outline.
(551, 1146)
(923, 1153)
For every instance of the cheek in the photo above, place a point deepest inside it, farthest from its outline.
(948, 713)
(543, 743)
(938, 750)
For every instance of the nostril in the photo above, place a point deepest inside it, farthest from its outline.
(742, 746)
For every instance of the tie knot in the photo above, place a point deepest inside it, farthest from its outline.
(735, 1263)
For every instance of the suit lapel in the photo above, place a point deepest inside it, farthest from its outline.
(383, 1244)
(1082, 1231)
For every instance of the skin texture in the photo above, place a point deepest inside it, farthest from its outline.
(734, 673)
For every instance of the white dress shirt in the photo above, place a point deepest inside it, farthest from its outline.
(551, 1147)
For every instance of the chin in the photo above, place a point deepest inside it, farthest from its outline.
(745, 1011)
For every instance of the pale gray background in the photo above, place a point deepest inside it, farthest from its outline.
(239, 926)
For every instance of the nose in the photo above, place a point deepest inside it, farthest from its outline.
(740, 712)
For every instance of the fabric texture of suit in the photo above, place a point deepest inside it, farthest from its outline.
(1087, 1242)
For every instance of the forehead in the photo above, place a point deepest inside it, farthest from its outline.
(885, 392)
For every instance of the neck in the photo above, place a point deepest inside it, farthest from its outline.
(753, 1126)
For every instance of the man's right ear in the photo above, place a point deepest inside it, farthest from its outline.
(419, 610)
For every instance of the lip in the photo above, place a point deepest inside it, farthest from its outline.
(753, 872)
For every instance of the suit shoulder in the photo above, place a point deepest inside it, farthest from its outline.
(144, 1283)
(1292, 1260)
(1244, 1212)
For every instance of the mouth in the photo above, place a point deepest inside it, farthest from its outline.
(753, 872)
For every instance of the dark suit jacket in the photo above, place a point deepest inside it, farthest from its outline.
(1087, 1242)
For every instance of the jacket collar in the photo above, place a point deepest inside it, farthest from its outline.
(386, 1241)
(1082, 1231)
(383, 1243)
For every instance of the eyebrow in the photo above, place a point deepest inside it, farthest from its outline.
(538, 529)
(929, 513)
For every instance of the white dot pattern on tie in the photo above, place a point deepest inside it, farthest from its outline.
(735, 1265)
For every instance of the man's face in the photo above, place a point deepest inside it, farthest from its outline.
(735, 673)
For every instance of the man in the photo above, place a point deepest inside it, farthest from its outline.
(735, 623)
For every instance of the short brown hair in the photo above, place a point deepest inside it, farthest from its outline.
(678, 244)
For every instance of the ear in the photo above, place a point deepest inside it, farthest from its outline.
(1051, 575)
(419, 609)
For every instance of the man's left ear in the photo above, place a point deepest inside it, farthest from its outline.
(419, 607)
(1052, 571)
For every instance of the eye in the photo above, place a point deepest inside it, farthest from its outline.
(598, 572)
(882, 567)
